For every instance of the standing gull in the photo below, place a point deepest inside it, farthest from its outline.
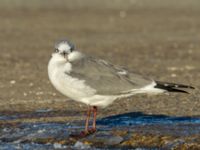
(96, 82)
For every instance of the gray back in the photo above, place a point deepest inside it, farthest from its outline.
(106, 78)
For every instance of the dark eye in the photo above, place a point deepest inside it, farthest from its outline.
(56, 50)
(72, 48)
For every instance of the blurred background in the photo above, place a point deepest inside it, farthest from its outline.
(157, 38)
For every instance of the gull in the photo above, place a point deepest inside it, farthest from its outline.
(98, 83)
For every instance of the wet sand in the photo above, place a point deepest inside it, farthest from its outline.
(127, 131)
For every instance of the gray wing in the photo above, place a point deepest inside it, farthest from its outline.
(106, 78)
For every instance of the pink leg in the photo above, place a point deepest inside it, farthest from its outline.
(87, 119)
(95, 117)
(93, 129)
(88, 131)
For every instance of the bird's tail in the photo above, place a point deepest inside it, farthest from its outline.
(173, 87)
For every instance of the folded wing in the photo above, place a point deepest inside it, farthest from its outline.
(106, 78)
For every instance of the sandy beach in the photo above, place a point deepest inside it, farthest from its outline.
(157, 39)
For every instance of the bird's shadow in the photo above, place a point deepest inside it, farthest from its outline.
(139, 118)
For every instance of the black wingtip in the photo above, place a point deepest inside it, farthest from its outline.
(191, 87)
(178, 90)
(173, 87)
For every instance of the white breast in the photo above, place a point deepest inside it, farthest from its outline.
(64, 83)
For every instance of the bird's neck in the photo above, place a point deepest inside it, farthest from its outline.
(56, 61)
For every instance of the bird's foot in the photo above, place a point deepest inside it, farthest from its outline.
(83, 134)
(92, 130)
(80, 135)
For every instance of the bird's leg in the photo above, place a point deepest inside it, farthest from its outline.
(86, 131)
(87, 119)
(94, 118)
(93, 129)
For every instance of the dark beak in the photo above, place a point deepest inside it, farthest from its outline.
(64, 55)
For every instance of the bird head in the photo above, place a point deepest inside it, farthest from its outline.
(64, 48)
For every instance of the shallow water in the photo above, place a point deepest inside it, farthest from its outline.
(139, 118)
(56, 135)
